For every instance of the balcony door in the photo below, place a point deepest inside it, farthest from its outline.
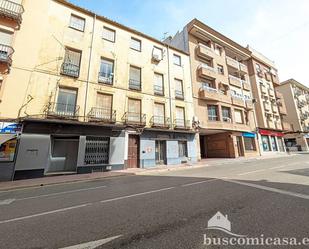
(103, 108)
(134, 110)
(5, 43)
(66, 102)
(180, 117)
(159, 114)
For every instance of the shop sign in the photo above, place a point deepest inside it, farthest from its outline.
(10, 128)
(271, 133)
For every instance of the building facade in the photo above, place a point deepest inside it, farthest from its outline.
(221, 92)
(296, 96)
(90, 94)
(269, 105)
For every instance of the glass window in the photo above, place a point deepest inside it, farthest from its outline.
(71, 64)
(265, 143)
(274, 143)
(109, 34)
(77, 22)
(226, 114)
(249, 143)
(7, 150)
(212, 113)
(103, 108)
(179, 89)
(157, 54)
(182, 149)
(106, 71)
(66, 102)
(134, 110)
(136, 44)
(180, 117)
(177, 60)
(220, 69)
(135, 78)
(238, 116)
(158, 84)
(159, 114)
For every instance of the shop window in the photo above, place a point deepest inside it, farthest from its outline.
(265, 143)
(182, 148)
(274, 144)
(249, 144)
(7, 150)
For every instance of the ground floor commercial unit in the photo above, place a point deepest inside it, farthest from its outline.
(227, 144)
(297, 141)
(46, 147)
(271, 141)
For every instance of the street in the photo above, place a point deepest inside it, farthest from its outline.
(163, 210)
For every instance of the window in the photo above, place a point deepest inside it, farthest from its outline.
(104, 105)
(182, 149)
(212, 113)
(135, 78)
(273, 143)
(7, 150)
(97, 150)
(71, 64)
(159, 114)
(77, 23)
(66, 102)
(158, 84)
(249, 144)
(179, 89)
(106, 73)
(180, 117)
(206, 84)
(265, 143)
(226, 114)
(218, 50)
(220, 69)
(258, 68)
(177, 60)
(157, 54)
(238, 116)
(109, 34)
(136, 44)
(134, 110)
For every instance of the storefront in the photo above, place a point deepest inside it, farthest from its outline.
(271, 141)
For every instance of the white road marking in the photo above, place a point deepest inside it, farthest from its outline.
(251, 172)
(195, 183)
(134, 195)
(93, 244)
(279, 167)
(274, 190)
(6, 202)
(45, 213)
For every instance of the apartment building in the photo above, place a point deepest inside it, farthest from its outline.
(221, 92)
(269, 104)
(296, 96)
(89, 94)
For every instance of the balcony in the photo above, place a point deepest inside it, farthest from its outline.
(11, 10)
(104, 115)
(62, 111)
(246, 85)
(275, 79)
(267, 106)
(243, 68)
(106, 78)
(70, 69)
(232, 63)
(6, 53)
(133, 118)
(160, 122)
(249, 104)
(205, 51)
(263, 89)
(181, 124)
(301, 103)
(207, 71)
(271, 92)
(274, 108)
(158, 90)
(179, 94)
(135, 85)
(209, 93)
(238, 101)
(297, 92)
(235, 81)
(267, 76)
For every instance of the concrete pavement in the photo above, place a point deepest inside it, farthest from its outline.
(164, 210)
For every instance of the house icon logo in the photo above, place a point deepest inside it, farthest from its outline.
(221, 222)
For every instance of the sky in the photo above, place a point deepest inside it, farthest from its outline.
(279, 29)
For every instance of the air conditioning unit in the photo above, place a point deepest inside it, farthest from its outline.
(195, 119)
(156, 57)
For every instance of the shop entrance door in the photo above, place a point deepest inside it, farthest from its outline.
(160, 152)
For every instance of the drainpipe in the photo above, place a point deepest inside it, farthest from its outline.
(89, 65)
(169, 83)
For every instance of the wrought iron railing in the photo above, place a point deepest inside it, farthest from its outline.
(106, 78)
(133, 118)
(160, 122)
(62, 110)
(182, 124)
(11, 10)
(6, 53)
(102, 115)
(135, 85)
(70, 69)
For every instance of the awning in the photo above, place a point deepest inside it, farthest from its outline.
(248, 134)
(271, 133)
(6, 137)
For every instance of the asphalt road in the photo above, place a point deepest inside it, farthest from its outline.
(163, 210)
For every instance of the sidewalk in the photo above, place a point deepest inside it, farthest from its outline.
(53, 180)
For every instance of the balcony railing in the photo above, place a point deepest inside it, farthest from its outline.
(160, 122)
(135, 85)
(209, 89)
(133, 118)
(105, 115)
(204, 65)
(6, 53)
(11, 10)
(179, 94)
(70, 69)
(158, 90)
(106, 78)
(182, 124)
(231, 62)
(62, 110)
